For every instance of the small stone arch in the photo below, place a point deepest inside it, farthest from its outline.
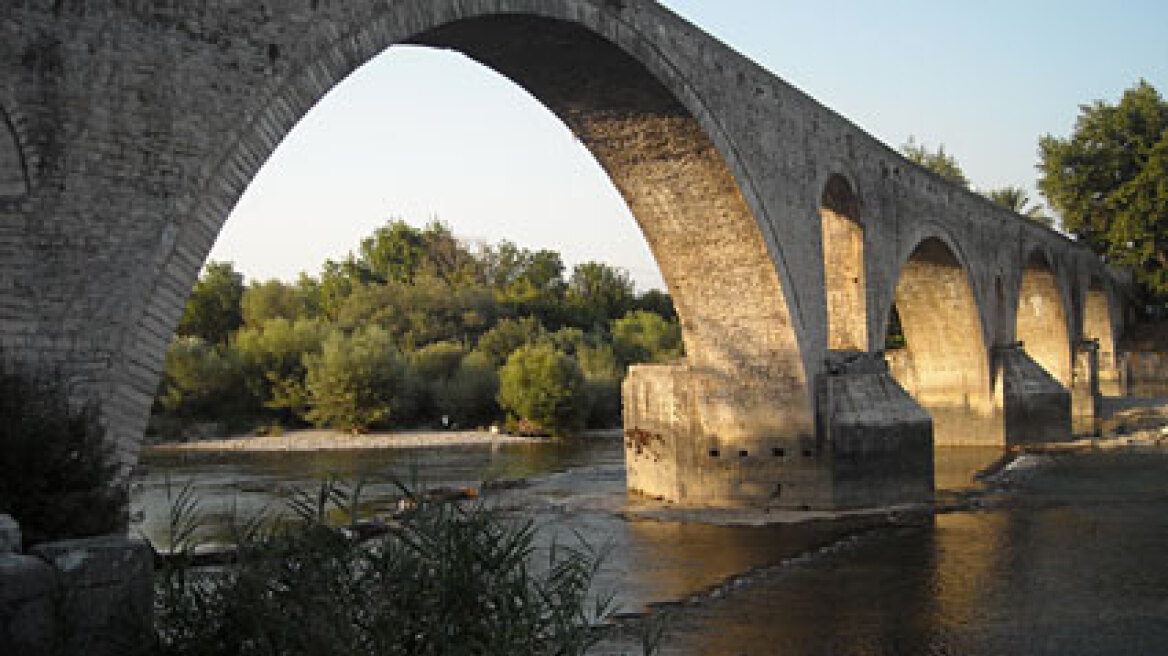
(13, 172)
(1099, 325)
(843, 266)
(1041, 317)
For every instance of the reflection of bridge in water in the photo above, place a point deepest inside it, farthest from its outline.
(785, 234)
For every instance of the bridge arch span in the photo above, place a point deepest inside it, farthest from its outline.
(945, 362)
(1042, 321)
(648, 128)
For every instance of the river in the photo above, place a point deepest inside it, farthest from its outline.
(1061, 554)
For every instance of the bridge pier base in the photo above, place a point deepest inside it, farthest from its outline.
(872, 444)
(1035, 407)
(1085, 397)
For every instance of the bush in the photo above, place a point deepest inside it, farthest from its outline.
(58, 475)
(468, 397)
(273, 355)
(641, 336)
(203, 380)
(447, 579)
(544, 388)
(357, 382)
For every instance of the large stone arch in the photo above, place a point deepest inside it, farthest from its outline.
(646, 126)
(1041, 318)
(945, 364)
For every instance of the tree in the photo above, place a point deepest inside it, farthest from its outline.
(274, 355)
(508, 336)
(263, 301)
(1017, 201)
(544, 389)
(641, 336)
(214, 308)
(599, 293)
(468, 397)
(203, 380)
(1109, 182)
(939, 162)
(357, 382)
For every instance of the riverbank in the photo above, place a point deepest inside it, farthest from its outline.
(328, 440)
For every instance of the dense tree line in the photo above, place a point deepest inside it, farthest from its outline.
(413, 327)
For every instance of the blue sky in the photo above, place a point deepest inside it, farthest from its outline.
(419, 134)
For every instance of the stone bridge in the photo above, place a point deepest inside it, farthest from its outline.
(786, 235)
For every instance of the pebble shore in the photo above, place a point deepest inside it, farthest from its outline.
(322, 440)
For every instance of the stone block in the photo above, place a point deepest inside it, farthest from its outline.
(27, 606)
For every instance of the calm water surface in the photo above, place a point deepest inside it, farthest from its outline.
(1066, 554)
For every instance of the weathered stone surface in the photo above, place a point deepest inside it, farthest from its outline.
(27, 611)
(1036, 408)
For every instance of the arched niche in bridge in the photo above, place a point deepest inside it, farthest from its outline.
(13, 175)
(945, 364)
(843, 267)
(1098, 325)
(1041, 318)
(647, 130)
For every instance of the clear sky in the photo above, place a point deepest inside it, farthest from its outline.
(418, 134)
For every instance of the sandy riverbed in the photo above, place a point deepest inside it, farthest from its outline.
(320, 440)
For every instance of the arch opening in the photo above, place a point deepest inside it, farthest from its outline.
(13, 176)
(843, 267)
(743, 383)
(1098, 326)
(1041, 319)
(944, 364)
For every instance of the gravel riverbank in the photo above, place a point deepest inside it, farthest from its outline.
(322, 440)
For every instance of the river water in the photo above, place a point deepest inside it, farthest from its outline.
(1063, 554)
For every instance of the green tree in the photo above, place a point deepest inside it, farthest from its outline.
(508, 336)
(263, 301)
(274, 355)
(646, 337)
(468, 396)
(1017, 201)
(357, 382)
(1109, 182)
(543, 389)
(214, 308)
(599, 293)
(203, 380)
(939, 162)
(394, 252)
(656, 301)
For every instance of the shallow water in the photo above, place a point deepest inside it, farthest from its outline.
(1068, 556)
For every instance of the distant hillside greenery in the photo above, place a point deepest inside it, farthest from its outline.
(414, 327)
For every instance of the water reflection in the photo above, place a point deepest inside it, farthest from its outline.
(1074, 567)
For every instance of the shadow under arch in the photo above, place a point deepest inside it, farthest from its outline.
(1041, 318)
(944, 364)
(843, 266)
(647, 129)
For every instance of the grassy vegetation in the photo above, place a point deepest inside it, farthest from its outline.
(446, 579)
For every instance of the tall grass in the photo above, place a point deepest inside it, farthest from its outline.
(448, 579)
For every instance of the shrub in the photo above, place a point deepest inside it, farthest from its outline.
(357, 382)
(273, 355)
(468, 397)
(202, 380)
(641, 336)
(58, 475)
(543, 387)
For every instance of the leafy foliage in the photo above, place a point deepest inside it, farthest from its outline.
(357, 381)
(543, 387)
(451, 316)
(939, 162)
(1017, 200)
(1109, 182)
(214, 309)
(58, 474)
